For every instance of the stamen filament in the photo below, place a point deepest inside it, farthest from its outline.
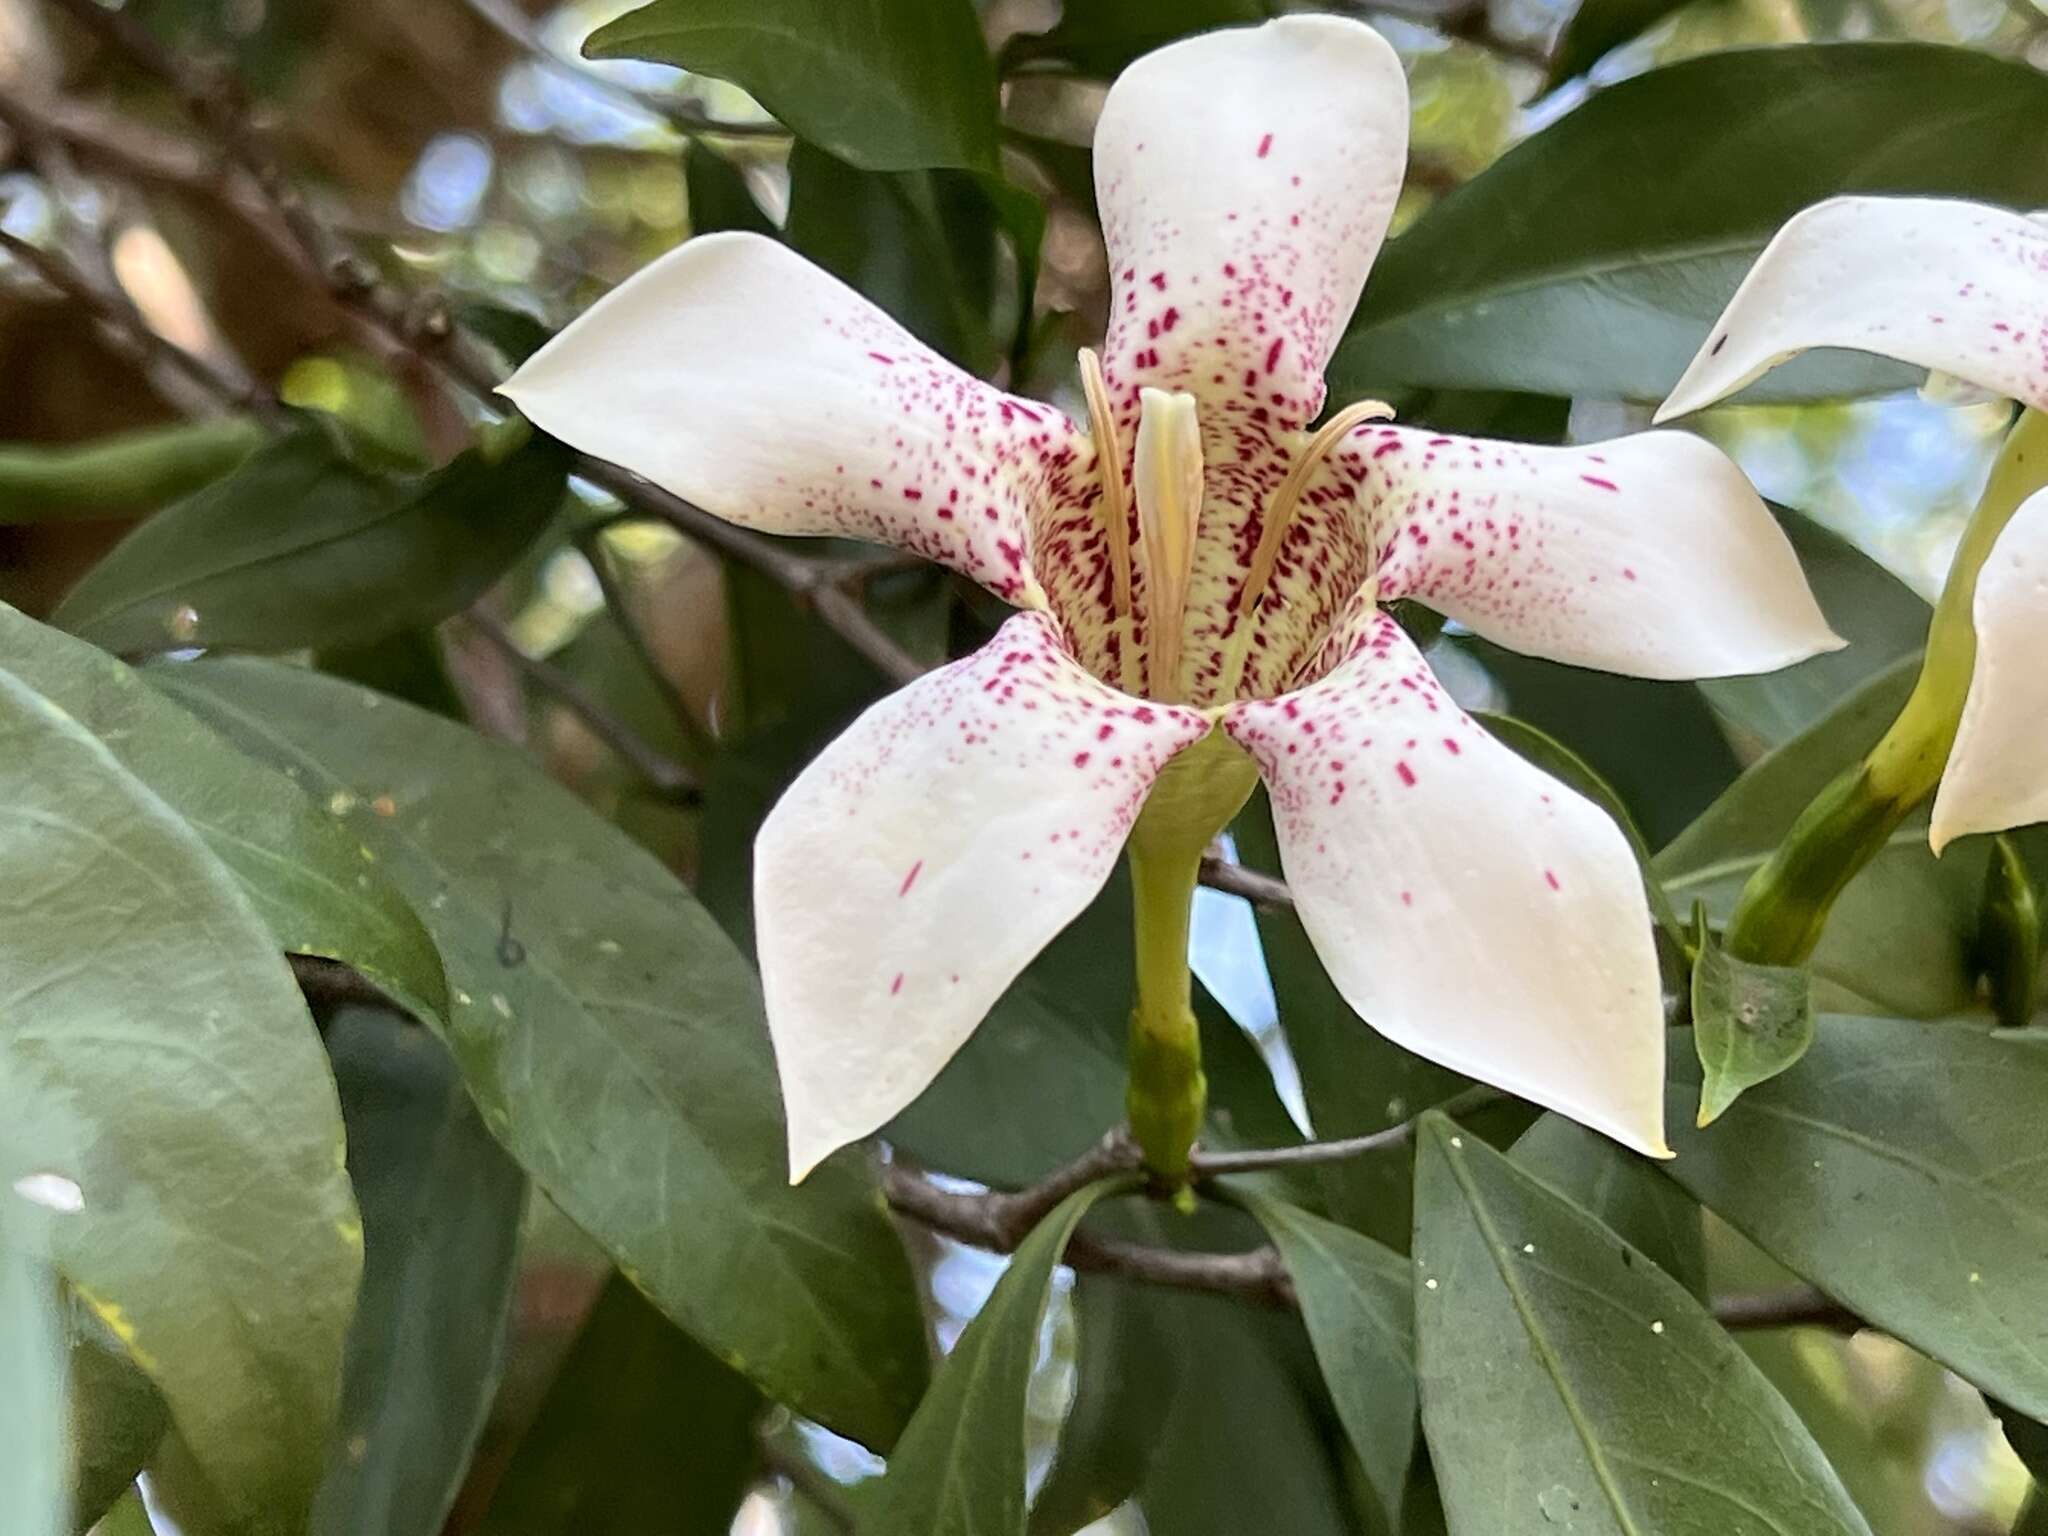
(1109, 461)
(1167, 474)
(1279, 515)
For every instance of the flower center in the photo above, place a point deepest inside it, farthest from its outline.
(1166, 483)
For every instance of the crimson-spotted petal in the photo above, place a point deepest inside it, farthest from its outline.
(1649, 555)
(1997, 773)
(741, 377)
(1468, 906)
(1246, 179)
(926, 856)
(1957, 287)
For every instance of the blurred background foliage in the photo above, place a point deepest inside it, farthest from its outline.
(469, 146)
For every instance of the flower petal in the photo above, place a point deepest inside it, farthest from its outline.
(1997, 773)
(1649, 555)
(741, 377)
(926, 856)
(1958, 287)
(1246, 178)
(1467, 905)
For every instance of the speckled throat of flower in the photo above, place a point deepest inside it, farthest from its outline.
(1197, 568)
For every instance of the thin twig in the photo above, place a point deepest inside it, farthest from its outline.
(518, 29)
(133, 335)
(1795, 1306)
(1257, 887)
(1209, 1165)
(592, 543)
(999, 1222)
(667, 775)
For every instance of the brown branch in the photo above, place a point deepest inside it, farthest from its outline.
(667, 775)
(1795, 1306)
(129, 333)
(1209, 1165)
(616, 599)
(1257, 887)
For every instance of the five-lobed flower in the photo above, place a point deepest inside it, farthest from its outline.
(1201, 579)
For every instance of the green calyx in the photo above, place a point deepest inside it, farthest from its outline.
(1193, 800)
(1782, 911)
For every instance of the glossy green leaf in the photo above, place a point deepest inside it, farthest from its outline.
(589, 990)
(1100, 37)
(1598, 27)
(156, 1059)
(1592, 258)
(441, 1207)
(1568, 1381)
(1749, 1023)
(718, 194)
(1357, 1299)
(643, 1431)
(1621, 1190)
(300, 547)
(2009, 934)
(33, 1501)
(122, 475)
(922, 245)
(1902, 937)
(1126, 1367)
(117, 1417)
(887, 85)
(1880, 617)
(1892, 1127)
(306, 877)
(959, 1468)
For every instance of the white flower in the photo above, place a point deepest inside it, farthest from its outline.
(1466, 904)
(1961, 289)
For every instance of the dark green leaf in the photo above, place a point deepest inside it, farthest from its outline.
(1252, 1444)
(1892, 1128)
(117, 1416)
(1749, 1022)
(299, 547)
(32, 1495)
(1100, 37)
(1357, 1299)
(155, 1054)
(2009, 934)
(307, 879)
(923, 244)
(718, 194)
(1126, 1369)
(1623, 1191)
(591, 992)
(1902, 936)
(441, 1206)
(1598, 27)
(888, 85)
(1568, 1381)
(959, 1469)
(643, 1431)
(1880, 617)
(1591, 259)
(119, 476)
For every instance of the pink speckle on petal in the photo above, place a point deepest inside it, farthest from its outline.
(1265, 146)
(1406, 774)
(896, 985)
(1595, 480)
(910, 879)
(1550, 875)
